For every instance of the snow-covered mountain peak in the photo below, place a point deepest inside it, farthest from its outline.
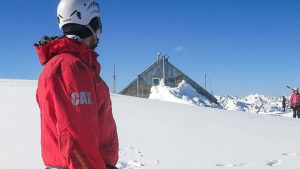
(186, 94)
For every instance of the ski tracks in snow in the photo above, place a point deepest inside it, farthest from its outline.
(271, 163)
(233, 165)
(132, 158)
(274, 163)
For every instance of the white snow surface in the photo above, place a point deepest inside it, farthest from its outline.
(159, 135)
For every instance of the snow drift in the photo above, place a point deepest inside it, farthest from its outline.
(184, 94)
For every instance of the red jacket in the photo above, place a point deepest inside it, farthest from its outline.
(295, 99)
(78, 130)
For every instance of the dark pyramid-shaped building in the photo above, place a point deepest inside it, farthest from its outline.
(161, 69)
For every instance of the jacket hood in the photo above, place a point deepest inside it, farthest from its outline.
(50, 47)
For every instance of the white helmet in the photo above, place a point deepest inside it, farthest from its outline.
(77, 12)
(296, 89)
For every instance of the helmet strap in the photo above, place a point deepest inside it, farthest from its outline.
(94, 35)
(93, 32)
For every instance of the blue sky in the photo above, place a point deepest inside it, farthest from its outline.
(244, 47)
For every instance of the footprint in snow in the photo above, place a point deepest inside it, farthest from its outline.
(133, 164)
(131, 151)
(156, 162)
(291, 154)
(274, 163)
(233, 165)
(136, 156)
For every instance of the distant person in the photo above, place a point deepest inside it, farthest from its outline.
(78, 130)
(295, 103)
(283, 103)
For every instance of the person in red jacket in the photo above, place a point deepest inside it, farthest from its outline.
(295, 103)
(78, 130)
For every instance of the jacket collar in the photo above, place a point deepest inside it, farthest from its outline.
(66, 45)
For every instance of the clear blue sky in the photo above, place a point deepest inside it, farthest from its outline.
(244, 47)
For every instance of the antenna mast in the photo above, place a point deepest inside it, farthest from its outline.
(115, 81)
(164, 71)
(158, 55)
(137, 87)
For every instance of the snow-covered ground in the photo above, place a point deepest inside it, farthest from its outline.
(159, 135)
(255, 103)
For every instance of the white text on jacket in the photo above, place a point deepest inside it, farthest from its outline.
(81, 98)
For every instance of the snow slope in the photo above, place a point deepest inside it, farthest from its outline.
(159, 135)
(19, 125)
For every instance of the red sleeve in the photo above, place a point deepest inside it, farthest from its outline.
(110, 143)
(291, 100)
(73, 93)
